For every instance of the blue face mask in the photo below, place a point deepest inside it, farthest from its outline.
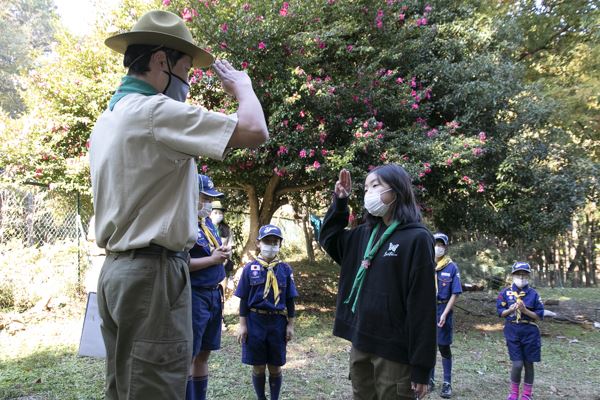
(177, 89)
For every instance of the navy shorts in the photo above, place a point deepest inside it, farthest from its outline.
(444, 334)
(266, 340)
(524, 342)
(206, 319)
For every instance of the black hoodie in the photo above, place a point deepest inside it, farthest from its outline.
(395, 315)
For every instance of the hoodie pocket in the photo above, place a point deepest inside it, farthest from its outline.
(375, 315)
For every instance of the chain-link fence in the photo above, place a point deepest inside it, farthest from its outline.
(44, 232)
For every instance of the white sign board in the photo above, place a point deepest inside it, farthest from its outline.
(91, 343)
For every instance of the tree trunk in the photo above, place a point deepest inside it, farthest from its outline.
(308, 234)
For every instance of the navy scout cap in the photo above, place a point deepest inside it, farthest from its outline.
(269, 230)
(521, 266)
(207, 186)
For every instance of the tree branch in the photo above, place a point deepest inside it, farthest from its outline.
(545, 46)
(296, 189)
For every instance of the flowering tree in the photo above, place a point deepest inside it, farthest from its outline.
(356, 84)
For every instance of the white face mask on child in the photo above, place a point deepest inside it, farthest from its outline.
(439, 251)
(268, 251)
(520, 282)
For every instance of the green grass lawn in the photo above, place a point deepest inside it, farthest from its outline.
(41, 363)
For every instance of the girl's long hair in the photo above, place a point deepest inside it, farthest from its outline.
(405, 206)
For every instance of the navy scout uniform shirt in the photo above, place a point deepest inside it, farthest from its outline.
(531, 298)
(448, 282)
(252, 286)
(203, 248)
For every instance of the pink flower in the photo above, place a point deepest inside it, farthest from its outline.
(426, 165)
(311, 153)
(431, 133)
(316, 165)
(415, 106)
(285, 122)
(324, 152)
(466, 179)
(413, 82)
(399, 80)
(299, 128)
(282, 150)
(302, 114)
(482, 136)
(477, 151)
(449, 161)
(330, 2)
(188, 14)
(380, 136)
(427, 8)
(280, 172)
(284, 9)
(480, 187)
(246, 7)
(166, 3)
(349, 121)
(401, 17)
(223, 45)
(358, 135)
(302, 153)
(349, 48)
(413, 93)
(224, 27)
(262, 45)
(421, 174)
(322, 137)
(244, 64)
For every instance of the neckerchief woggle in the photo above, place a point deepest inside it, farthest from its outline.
(271, 278)
(370, 252)
(129, 85)
(441, 264)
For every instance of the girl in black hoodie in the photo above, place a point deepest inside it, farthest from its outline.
(386, 299)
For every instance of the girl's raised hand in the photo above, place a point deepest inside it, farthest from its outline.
(343, 187)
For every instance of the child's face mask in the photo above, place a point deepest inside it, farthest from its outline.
(439, 251)
(520, 281)
(205, 210)
(216, 217)
(268, 251)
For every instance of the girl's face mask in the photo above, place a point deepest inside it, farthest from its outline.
(374, 205)
(216, 217)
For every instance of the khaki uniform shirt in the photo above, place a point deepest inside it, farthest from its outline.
(144, 176)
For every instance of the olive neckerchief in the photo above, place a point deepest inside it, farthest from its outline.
(271, 279)
(370, 252)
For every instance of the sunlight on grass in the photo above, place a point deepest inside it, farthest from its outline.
(489, 327)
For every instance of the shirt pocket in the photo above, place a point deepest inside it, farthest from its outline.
(257, 280)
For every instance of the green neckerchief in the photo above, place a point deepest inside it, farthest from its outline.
(129, 84)
(370, 252)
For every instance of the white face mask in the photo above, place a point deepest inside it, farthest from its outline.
(520, 282)
(216, 217)
(205, 210)
(439, 251)
(374, 205)
(268, 251)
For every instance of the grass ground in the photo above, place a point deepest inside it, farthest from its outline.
(40, 361)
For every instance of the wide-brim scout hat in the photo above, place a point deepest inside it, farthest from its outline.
(217, 205)
(521, 266)
(442, 237)
(207, 187)
(269, 230)
(161, 28)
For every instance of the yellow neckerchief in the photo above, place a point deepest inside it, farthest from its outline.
(271, 279)
(440, 266)
(209, 235)
(518, 296)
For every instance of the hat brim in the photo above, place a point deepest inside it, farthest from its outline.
(200, 57)
(212, 193)
(269, 234)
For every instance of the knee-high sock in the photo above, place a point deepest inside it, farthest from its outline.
(200, 384)
(529, 373)
(275, 385)
(258, 381)
(447, 364)
(189, 389)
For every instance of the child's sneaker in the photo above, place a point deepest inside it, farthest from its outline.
(446, 392)
(513, 396)
(526, 397)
